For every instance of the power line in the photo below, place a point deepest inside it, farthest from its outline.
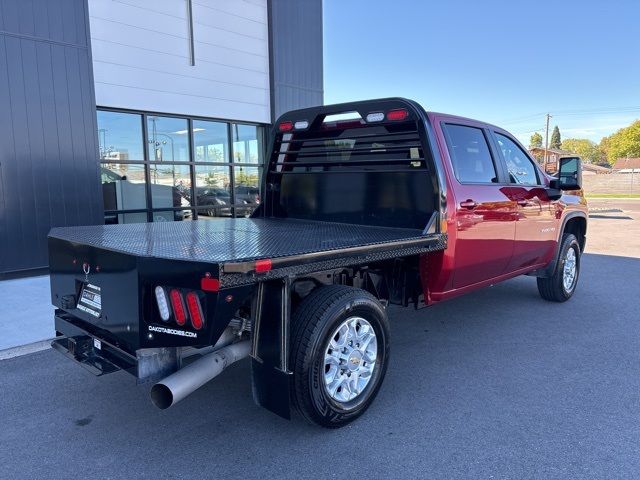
(583, 112)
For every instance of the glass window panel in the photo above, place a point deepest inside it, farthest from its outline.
(172, 215)
(170, 185)
(120, 218)
(212, 213)
(211, 140)
(120, 136)
(247, 143)
(213, 189)
(247, 189)
(168, 139)
(123, 186)
(470, 155)
(521, 168)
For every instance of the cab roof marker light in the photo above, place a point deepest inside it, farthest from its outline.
(399, 114)
(285, 126)
(301, 125)
(163, 304)
(375, 117)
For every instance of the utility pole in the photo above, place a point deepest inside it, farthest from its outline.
(546, 142)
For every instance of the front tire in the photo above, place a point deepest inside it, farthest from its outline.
(562, 284)
(339, 354)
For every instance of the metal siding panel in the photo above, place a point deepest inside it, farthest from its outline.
(7, 153)
(54, 20)
(52, 159)
(25, 17)
(48, 145)
(19, 188)
(296, 42)
(10, 16)
(87, 117)
(40, 20)
(38, 210)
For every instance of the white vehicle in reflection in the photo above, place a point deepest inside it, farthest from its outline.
(121, 192)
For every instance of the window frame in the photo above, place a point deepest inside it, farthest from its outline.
(192, 163)
(503, 161)
(497, 166)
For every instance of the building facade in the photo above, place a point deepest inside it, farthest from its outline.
(135, 111)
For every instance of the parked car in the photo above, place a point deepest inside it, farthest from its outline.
(247, 199)
(217, 201)
(394, 206)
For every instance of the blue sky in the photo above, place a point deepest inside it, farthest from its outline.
(505, 62)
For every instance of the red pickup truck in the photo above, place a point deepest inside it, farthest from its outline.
(364, 204)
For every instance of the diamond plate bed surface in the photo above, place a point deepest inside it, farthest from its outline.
(225, 240)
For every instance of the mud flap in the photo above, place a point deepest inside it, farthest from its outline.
(270, 375)
(271, 388)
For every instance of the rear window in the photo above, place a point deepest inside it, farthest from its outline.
(470, 154)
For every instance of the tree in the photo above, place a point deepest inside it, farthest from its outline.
(624, 143)
(589, 151)
(556, 141)
(535, 141)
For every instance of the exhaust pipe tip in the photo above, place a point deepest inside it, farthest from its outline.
(161, 396)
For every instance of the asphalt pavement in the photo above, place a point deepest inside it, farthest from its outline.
(495, 384)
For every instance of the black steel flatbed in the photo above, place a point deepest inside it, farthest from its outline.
(236, 243)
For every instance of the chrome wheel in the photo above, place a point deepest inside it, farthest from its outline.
(570, 270)
(350, 359)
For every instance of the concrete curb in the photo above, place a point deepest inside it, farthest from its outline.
(21, 350)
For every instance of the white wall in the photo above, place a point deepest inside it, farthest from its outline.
(141, 57)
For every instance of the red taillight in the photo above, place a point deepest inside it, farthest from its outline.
(195, 311)
(263, 265)
(399, 114)
(285, 126)
(178, 307)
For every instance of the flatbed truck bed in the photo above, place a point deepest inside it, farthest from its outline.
(234, 245)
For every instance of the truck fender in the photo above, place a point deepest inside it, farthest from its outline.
(550, 269)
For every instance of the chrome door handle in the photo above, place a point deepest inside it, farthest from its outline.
(470, 204)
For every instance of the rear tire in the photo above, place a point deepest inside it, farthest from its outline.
(339, 354)
(562, 284)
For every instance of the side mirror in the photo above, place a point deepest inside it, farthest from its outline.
(569, 174)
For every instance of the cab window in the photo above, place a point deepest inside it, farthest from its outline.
(521, 169)
(470, 155)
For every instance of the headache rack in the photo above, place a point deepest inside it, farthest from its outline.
(367, 163)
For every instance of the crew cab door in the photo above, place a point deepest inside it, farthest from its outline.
(535, 219)
(484, 214)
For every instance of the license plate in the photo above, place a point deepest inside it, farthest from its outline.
(90, 300)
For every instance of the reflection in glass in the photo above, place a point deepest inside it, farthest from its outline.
(247, 190)
(170, 185)
(120, 136)
(211, 140)
(123, 186)
(247, 144)
(213, 190)
(172, 216)
(120, 218)
(168, 139)
(211, 213)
